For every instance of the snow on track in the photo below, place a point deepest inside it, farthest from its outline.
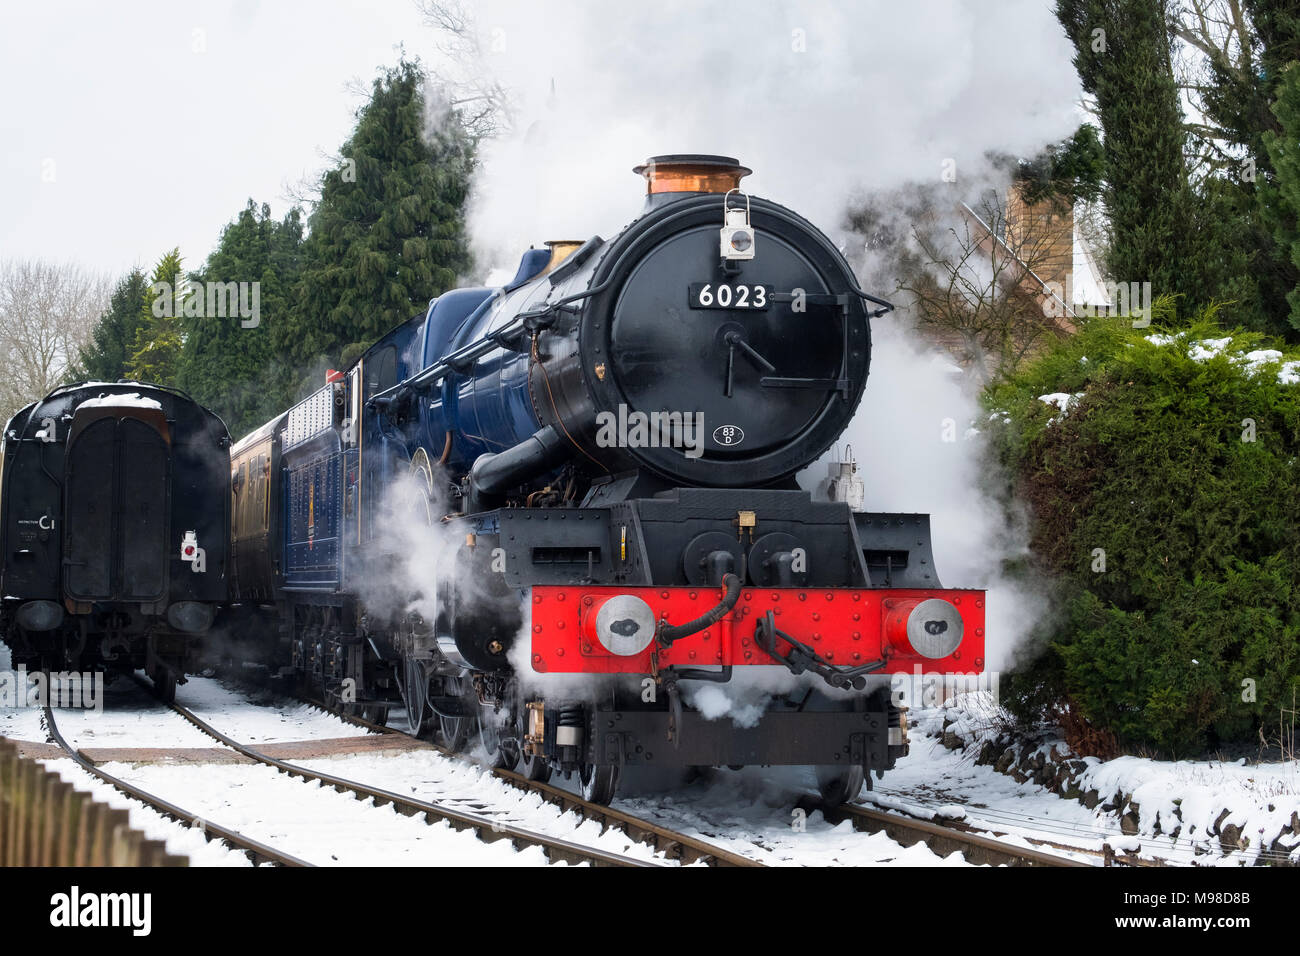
(257, 717)
(751, 811)
(459, 784)
(318, 824)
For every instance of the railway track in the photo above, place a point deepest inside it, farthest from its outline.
(674, 845)
(942, 838)
(488, 828)
(259, 853)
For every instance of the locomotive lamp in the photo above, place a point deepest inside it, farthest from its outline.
(737, 234)
(623, 624)
(931, 627)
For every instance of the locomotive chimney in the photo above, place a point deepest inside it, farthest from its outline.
(689, 174)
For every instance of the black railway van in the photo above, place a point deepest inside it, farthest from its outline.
(114, 530)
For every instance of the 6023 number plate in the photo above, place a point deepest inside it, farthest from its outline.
(723, 295)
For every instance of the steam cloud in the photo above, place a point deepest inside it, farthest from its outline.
(826, 102)
(821, 99)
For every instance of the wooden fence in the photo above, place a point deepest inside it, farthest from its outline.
(46, 822)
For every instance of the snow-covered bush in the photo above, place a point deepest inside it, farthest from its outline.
(1161, 473)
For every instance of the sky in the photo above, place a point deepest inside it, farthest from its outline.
(132, 127)
(159, 120)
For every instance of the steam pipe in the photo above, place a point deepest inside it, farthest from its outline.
(493, 474)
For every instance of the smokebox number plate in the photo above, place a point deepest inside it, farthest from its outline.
(722, 295)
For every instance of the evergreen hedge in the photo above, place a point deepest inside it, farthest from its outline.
(1181, 467)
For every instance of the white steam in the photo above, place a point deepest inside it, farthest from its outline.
(822, 100)
(918, 440)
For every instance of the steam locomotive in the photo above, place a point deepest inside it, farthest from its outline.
(600, 457)
(114, 510)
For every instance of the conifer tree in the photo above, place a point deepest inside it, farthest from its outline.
(229, 362)
(1280, 198)
(155, 354)
(388, 233)
(107, 356)
(1122, 54)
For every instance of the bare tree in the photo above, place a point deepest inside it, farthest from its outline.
(987, 287)
(1220, 52)
(484, 104)
(47, 313)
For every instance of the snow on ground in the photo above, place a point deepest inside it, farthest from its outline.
(948, 783)
(459, 784)
(255, 717)
(751, 812)
(316, 823)
(1260, 800)
(131, 717)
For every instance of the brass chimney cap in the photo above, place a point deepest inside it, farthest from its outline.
(691, 172)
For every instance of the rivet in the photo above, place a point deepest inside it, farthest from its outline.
(857, 616)
(979, 632)
(693, 595)
(537, 599)
(692, 655)
(748, 654)
(560, 596)
(857, 635)
(559, 652)
(775, 596)
(664, 595)
(816, 616)
(560, 625)
(537, 628)
(979, 603)
(587, 600)
(537, 658)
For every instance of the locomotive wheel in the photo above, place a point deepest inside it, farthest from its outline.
(164, 684)
(453, 730)
(839, 785)
(415, 696)
(599, 783)
(531, 766)
(502, 749)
